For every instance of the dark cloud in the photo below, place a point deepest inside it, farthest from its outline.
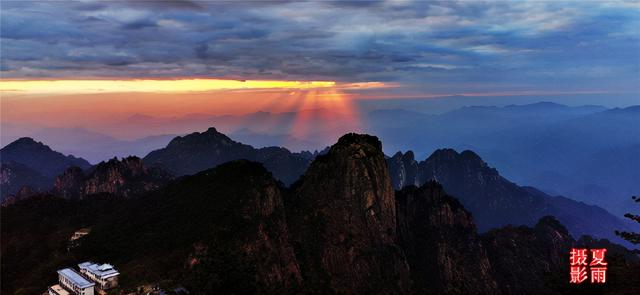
(425, 43)
(139, 24)
(165, 4)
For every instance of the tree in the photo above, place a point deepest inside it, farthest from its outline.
(632, 237)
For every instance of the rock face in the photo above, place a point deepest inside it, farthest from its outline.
(121, 177)
(530, 260)
(196, 152)
(440, 241)
(343, 222)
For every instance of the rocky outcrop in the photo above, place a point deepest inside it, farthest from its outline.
(124, 177)
(70, 184)
(343, 222)
(441, 244)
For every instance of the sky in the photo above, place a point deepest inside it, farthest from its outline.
(80, 62)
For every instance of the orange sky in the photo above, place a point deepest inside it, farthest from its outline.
(93, 104)
(62, 100)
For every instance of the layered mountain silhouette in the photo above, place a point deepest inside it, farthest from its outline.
(196, 152)
(587, 153)
(340, 229)
(495, 201)
(26, 162)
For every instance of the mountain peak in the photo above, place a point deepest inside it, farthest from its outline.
(200, 151)
(541, 104)
(345, 207)
(470, 155)
(26, 142)
(212, 130)
(39, 157)
(444, 154)
(359, 139)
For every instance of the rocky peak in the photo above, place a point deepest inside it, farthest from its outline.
(466, 162)
(131, 165)
(27, 143)
(209, 137)
(121, 177)
(342, 218)
(69, 184)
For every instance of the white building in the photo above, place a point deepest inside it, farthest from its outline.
(58, 290)
(73, 281)
(105, 276)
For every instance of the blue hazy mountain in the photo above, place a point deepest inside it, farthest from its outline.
(93, 146)
(493, 200)
(588, 153)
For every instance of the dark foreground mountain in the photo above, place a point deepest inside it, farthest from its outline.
(340, 229)
(440, 241)
(125, 177)
(196, 152)
(26, 162)
(495, 201)
(343, 221)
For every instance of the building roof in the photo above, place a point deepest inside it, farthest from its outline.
(103, 271)
(76, 278)
(57, 289)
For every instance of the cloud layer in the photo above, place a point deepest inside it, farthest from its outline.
(437, 47)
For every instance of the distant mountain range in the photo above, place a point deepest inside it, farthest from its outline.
(587, 153)
(495, 201)
(340, 229)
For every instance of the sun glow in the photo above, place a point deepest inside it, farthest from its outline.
(147, 85)
(102, 105)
